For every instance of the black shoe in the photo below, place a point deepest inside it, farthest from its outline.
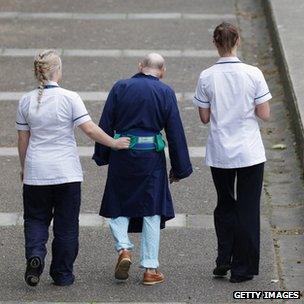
(239, 279)
(221, 270)
(33, 271)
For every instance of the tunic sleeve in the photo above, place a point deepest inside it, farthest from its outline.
(262, 93)
(200, 98)
(80, 114)
(178, 150)
(102, 153)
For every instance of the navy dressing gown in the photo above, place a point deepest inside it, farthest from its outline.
(137, 181)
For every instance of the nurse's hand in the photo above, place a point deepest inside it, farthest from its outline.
(98, 135)
(121, 143)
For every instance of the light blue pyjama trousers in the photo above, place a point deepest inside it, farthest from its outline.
(150, 237)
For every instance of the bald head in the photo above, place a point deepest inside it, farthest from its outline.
(153, 64)
(153, 61)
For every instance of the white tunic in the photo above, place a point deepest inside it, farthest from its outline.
(232, 89)
(52, 156)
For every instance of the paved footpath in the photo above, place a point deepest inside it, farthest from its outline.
(101, 41)
(286, 27)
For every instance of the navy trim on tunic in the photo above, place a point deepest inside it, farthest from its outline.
(21, 124)
(50, 86)
(201, 100)
(261, 96)
(224, 62)
(80, 117)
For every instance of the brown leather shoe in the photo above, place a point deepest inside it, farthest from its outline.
(153, 278)
(123, 265)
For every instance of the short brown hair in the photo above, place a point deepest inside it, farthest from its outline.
(225, 36)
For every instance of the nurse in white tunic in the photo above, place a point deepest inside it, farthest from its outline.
(51, 170)
(231, 95)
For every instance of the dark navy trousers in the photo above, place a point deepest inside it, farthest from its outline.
(60, 203)
(237, 217)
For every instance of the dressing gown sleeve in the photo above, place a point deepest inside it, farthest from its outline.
(177, 144)
(102, 153)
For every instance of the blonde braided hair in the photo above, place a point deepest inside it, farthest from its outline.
(46, 64)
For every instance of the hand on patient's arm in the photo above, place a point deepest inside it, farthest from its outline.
(98, 135)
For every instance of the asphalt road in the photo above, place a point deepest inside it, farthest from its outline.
(187, 253)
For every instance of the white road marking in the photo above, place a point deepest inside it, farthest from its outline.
(113, 53)
(94, 220)
(122, 16)
(87, 96)
(10, 219)
(195, 152)
(181, 220)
